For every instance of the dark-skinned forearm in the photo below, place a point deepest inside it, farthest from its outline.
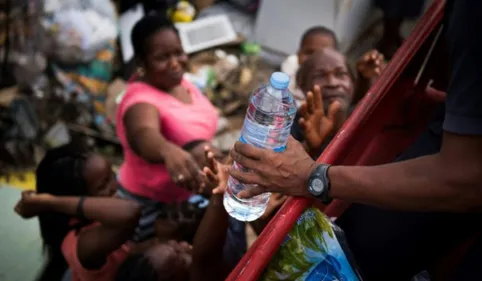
(421, 184)
(150, 145)
(211, 235)
(118, 219)
(112, 212)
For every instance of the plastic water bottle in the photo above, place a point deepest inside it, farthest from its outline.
(267, 125)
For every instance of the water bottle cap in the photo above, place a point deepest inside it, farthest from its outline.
(279, 80)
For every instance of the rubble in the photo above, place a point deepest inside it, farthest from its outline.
(67, 106)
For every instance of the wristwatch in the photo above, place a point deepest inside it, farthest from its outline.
(319, 183)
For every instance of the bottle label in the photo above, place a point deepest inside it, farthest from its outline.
(261, 136)
(277, 149)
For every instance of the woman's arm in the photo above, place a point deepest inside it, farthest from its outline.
(143, 133)
(142, 128)
(117, 220)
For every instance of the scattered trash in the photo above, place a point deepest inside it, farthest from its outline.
(115, 92)
(58, 135)
(183, 12)
(66, 72)
(226, 140)
(223, 124)
(206, 33)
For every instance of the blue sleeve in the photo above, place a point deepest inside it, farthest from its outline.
(236, 244)
(463, 113)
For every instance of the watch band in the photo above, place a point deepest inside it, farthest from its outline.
(320, 173)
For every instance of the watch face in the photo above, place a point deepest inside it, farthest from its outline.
(317, 185)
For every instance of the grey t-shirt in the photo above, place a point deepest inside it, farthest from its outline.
(463, 113)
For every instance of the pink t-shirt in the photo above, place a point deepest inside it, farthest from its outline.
(180, 123)
(79, 273)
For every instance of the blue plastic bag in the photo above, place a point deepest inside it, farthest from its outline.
(314, 249)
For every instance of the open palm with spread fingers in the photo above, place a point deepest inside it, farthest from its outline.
(315, 123)
(216, 174)
(371, 64)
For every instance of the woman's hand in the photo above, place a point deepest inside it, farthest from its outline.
(216, 174)
(31, 204)
(182, 167)
(315, 124)
(371, 65)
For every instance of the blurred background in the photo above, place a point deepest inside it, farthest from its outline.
(64, 66)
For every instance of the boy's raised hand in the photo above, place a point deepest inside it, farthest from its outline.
(216, 174)
(371, 64)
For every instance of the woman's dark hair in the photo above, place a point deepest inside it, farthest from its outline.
(144, 29)
(319, 30)
(136, 267)
(59, 173)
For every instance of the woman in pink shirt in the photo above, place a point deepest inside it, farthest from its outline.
(160, 114)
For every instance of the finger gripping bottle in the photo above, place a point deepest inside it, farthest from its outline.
(267, 125)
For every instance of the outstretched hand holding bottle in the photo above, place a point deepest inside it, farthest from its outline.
(267, 125)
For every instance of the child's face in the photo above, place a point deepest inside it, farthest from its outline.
(99, 177)
(314, 43)
(328, 69)
(171, 260)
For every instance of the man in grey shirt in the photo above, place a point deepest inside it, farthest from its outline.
(409, 213)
